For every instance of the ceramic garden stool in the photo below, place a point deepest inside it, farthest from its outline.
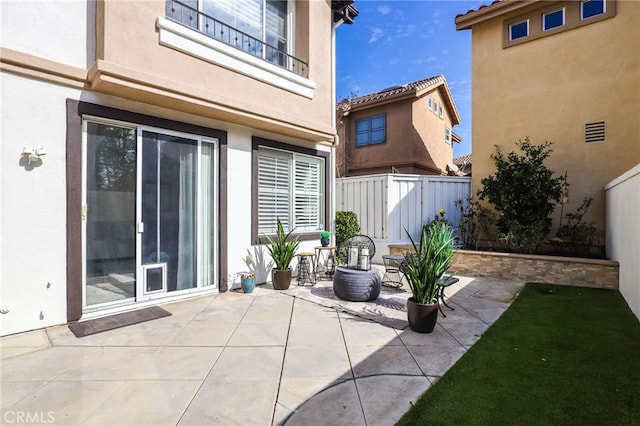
(356, 285)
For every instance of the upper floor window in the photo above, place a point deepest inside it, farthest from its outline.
(518, 30)
(591, 8)
(553, 19)
(447, 135)
(441, 111)
(371, 130)
(435, 106)
(261, 28)
(430, 102)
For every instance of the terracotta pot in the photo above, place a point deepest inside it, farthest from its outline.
(281, 279)
(422, 318)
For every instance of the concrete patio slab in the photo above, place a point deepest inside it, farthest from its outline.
(265, 358)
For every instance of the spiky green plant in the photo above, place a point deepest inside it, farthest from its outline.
(429, 261)
(282, 249)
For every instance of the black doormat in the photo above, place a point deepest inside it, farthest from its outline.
(98, 325)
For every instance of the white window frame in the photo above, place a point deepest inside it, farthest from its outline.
(294, 194)
(524, 21)
(544, 15)
(582, 3)
(447, 135)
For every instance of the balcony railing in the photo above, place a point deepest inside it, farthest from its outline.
(191, 17)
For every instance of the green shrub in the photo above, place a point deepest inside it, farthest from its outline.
(476, 222)
(347, 226)
(575, 234)
(524, 192)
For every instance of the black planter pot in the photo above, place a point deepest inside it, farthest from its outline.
(281, 279)
(422, 318)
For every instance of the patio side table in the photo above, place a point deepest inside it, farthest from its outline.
(392, 271)
(356, 285)
(325, 260)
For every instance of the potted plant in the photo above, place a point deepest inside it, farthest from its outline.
(282, 250)
(424, 268)
(325, 238)
(248, 279)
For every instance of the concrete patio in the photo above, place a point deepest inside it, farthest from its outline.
(265, 358)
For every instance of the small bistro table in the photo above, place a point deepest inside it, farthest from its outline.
(325, 260)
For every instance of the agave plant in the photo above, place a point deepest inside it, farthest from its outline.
(282, 249)
(431, 258)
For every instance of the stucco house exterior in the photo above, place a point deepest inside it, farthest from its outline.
(402, 129)
(560, 71)
(148, 145)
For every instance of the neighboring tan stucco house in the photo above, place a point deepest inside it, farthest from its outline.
(403, 129)
(140, 145)
(560, 71)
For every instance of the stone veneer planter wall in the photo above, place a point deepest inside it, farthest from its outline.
(573, 271)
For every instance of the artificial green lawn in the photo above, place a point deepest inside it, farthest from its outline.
(558, 356)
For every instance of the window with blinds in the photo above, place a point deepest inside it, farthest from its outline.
(291, 188)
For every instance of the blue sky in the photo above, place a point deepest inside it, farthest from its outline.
(396, 42)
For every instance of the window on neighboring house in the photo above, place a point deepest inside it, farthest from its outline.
(552, 19)
(371, 130)
(441, 111)
(518, 30)
(592, 8)
(447, 135)
(430, 103)
(258, 27)
(435, 107)
(291, 187)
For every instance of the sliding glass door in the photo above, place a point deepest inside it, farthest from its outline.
(151, 226)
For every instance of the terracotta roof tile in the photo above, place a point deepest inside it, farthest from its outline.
(466, 159)
(413, 87)
(395, 90)
(480, 8)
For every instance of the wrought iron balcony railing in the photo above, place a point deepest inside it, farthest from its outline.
(191, 17)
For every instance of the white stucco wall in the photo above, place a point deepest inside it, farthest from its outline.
(623, 233)
(52, 29)
(33, 215)
(239, 142)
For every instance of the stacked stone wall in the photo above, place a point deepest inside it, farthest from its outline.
(573, 271)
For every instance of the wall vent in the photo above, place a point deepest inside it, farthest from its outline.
(594, 132)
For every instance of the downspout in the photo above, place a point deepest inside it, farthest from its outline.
(332, 170)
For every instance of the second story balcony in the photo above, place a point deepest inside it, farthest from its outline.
(258, 28)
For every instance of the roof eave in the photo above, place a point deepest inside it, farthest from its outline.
(384, 100)
(466, 21)
(455, 116)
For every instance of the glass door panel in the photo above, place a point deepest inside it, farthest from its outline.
(110, 201)
(169, 168)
